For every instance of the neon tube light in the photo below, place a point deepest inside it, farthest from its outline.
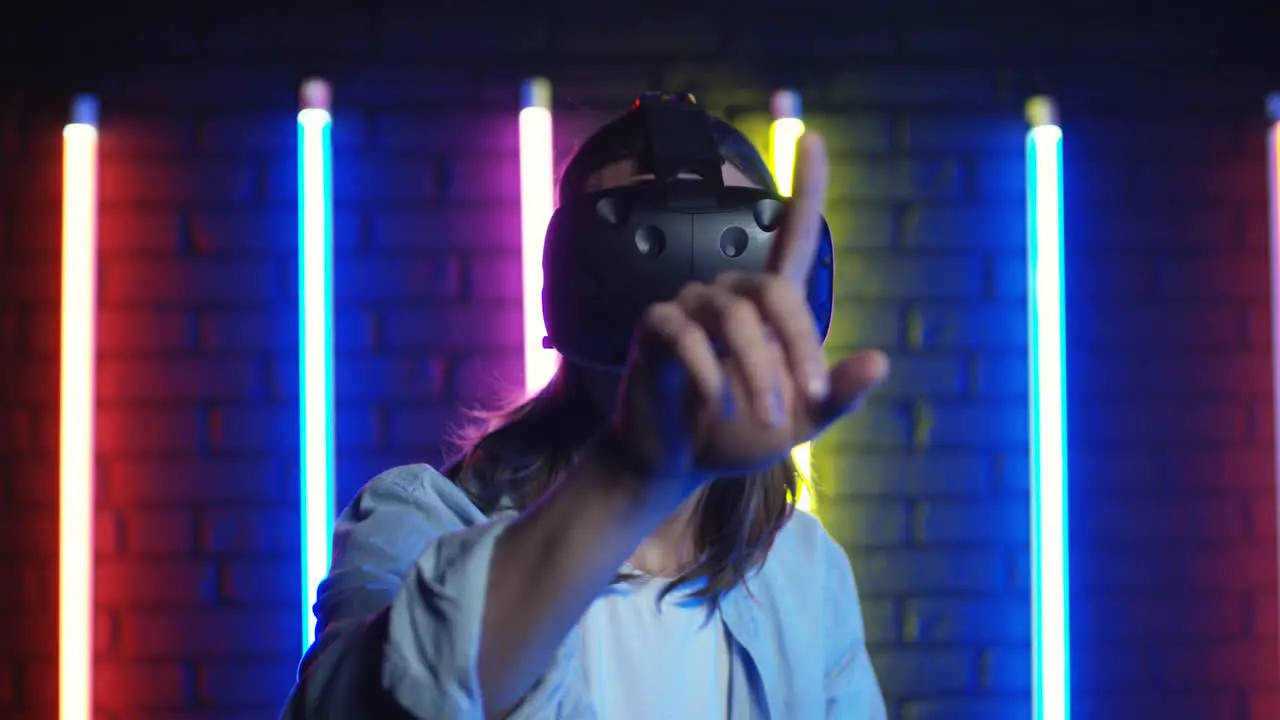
(1273, 199)
(315, 252)
(537, 202)
(784, 133)
(75, 441)
(1051, 678)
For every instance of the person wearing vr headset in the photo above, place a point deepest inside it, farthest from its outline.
(624, 544)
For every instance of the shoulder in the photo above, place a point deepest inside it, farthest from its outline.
(806, 561)
(405, 505)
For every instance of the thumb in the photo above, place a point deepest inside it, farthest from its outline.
(851, 378)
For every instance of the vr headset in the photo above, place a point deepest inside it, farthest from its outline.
(612, 253)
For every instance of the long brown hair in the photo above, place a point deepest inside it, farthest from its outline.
(509, 458)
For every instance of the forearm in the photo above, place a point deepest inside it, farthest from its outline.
(551, 563)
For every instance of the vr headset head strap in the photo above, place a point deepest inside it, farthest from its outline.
(678, 139)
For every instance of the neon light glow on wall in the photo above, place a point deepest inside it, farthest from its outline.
(784, 133)
(315, 301)
(1051, 665)
(1273, 199)
(537, 203)
(75, 441)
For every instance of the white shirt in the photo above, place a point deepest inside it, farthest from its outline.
(646, 660)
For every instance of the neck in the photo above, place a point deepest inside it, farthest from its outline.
(671, 549)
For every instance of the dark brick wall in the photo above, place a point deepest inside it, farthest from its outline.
(1174, 533)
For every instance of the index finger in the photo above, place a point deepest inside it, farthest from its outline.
(796, 244)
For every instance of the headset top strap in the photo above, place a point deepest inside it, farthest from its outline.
(678, 139)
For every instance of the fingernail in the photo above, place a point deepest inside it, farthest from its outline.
(777, 408)
(819, 383)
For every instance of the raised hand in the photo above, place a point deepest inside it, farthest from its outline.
(728, 377)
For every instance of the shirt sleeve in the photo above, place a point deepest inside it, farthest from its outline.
(401, 610)
(850, 683)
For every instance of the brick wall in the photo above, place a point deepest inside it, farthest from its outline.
(1174, 565)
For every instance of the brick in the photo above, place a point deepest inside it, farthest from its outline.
(974, 521)
(1187, 518)
(136, 330)
(396, 277)
(250, 530)
(1220, 468)
(1261, 520)
(1262, 613)
(158, 283)
(451, 34)
(477, 225)
(888, 276)
(1162, 702)
(1235, 276)
(815, 34)
(139, 132)
(880, 621)
(31, 584)
(1234, 180)
(141, 482)
(1262, 704)
(991, 423)
(862, 524)
(264, 328)
(903, 671)
(997, 375)
(1113, 278)
(1239, 566)
(362, 177)
(1156, 325)
(917, 374)
(206, 376)
(450, 327)
(1153, 225)
(405, 84)
(421, 426)
(860, 323)
(1115, 566)
(955, 226)
(133, 686)
(140, 429)
(259, 581)
(1112, 666)
(951, 131)
(487, 378)
(964, 708)
(272, 229)
(33, 384)
(1005, 670)
(209, 633)
(385, 377)
(28, 280)
(243, 684)
(480, 179)
(972, 324)
(1158, 617)
(262, 426)
(1189, 373)
(269, 34)
(962, 621)
(199, 179)
(242, 133)
(1221, 663)
(444, 130)
(1202, 420)
(495, 277)
(1003, 177)
(877, 425)
(907, 84)
(600, 35)
(210, 85)
(860, 226)
(124, 228)
(905, 571)
(153, 582)
(159, 532)
(938, 472)
(887, 178)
